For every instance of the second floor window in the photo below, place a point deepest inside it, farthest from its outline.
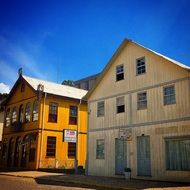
(73, 115)
(21, 114)
(8, 117)
(100, 109)
(53, 112)
(141, 101)
(169, 95)
(27, 113)
(14, 115)
(119, 72)
(35, 111)
(140, 66)
(120, 104)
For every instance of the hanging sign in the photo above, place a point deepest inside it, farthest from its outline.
(69, 135)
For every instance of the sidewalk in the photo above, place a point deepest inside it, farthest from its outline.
(93, 181)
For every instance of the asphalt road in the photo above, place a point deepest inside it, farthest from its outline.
(18, 183)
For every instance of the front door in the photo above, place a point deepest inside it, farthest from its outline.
(143, 156)
(120, 146)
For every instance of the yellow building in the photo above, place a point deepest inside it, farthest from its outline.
(45, 126)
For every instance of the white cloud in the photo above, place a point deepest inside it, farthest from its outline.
(18, 56)
(4, 88)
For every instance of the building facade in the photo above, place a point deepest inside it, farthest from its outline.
(45, 126)
(139, 116)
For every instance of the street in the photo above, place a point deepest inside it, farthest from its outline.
(18, 183)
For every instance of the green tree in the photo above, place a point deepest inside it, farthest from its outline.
(68, 82)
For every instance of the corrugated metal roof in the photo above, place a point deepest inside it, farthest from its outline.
(56, 89)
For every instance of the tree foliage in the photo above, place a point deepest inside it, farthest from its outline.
(68, 82)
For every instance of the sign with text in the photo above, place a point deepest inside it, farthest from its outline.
(69, 135)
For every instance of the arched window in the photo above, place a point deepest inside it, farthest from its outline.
(21, 114)
(8, 117)
(14, 115)
(35, 111)
(27, 113)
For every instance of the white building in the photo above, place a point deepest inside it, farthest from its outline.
(139, 116)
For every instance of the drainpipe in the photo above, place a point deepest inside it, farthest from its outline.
(87, 142)
(78, 127)
(41, 142)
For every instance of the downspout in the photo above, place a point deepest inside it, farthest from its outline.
(87, 142)
(78, 127)
(41, 142)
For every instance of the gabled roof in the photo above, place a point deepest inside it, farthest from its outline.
(56, 89)
(117, 53)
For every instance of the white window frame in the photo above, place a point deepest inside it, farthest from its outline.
(100, 109)
(141, 101)
(140, 69)
(120, 101)
(119, 71)
(169, 98)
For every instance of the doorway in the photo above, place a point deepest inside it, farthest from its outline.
(120, 156)
(143, 156)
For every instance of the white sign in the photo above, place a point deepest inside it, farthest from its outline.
(70, 136)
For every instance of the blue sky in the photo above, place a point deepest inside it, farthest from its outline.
(56, 40)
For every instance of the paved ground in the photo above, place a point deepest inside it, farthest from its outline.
(82, 181)
(18, 183)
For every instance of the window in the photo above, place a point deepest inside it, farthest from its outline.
(100, 149)
(100, 109)
(73, 115)
(21, 114)
(141, 101)
(178, 154)
(35, 111)
(14, 115)
(53, 112)
(51, 146)
(22, 89)
(8, 117)
(140, 66)
(27, 113)
(119, 72)
(120, 105)
(71, 150)
(169, 95)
